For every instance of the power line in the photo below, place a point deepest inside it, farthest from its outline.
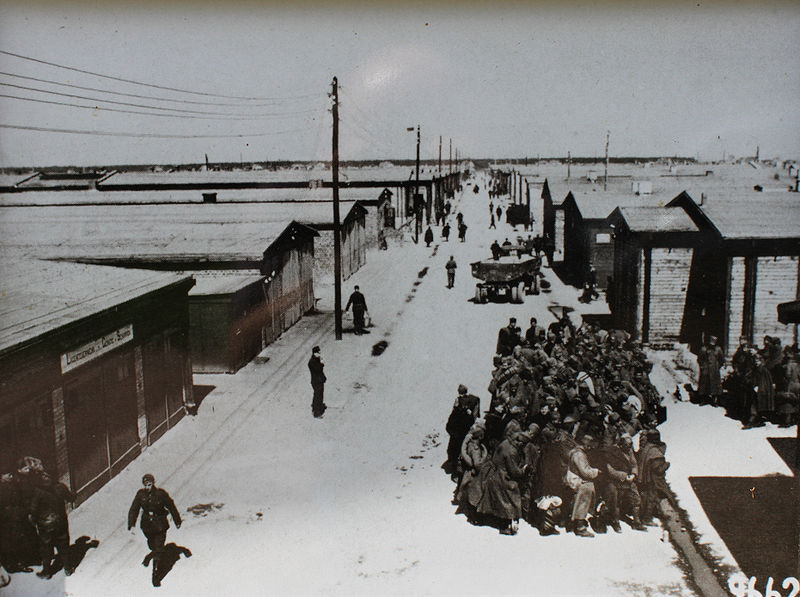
(148, 97)
(134, 82)
(144, 135)
(97, 99)
(139, 112)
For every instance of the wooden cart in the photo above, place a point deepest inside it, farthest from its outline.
(503, 278)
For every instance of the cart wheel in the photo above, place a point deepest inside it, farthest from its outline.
(477, 294)
(515, 294)
(521, 292)
(484, 295)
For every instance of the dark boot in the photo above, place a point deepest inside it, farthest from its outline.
(582, 529)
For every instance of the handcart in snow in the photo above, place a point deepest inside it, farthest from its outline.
(504, 277)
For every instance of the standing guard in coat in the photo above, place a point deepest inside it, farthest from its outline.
(451, 266)
(428, 237)
(318, 379)
(155, 504)
(709, 360)
(508, 337)
(466, 410)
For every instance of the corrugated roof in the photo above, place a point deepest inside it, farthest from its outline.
(657, 219)
(40, 296)
(203, 230)
(751, 214)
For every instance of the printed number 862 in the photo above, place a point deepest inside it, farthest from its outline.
(741, 588)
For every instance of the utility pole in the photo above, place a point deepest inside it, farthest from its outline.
(605, 178)
(417, 211)
(569, 163)
(451, 156)
(440, 155)
(337, 250)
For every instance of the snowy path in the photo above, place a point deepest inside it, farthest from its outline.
(355, 503)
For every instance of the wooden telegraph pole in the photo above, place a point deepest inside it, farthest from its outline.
(605, 178)
(337, 250)
(417, 213)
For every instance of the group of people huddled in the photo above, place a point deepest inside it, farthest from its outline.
(763, 384)
(557, 445)
(33, 520)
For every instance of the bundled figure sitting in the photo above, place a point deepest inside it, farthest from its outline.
(557, 446)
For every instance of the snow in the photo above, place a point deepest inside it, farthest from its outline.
(356, 503)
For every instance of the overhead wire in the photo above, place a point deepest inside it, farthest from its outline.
(146, 135)
(138, 112)
(154, 97)
(152, 85)
(179, 110)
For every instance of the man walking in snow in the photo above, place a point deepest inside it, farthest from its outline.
(318, 379)
(155, 504)
(359, 304)
(451, 266)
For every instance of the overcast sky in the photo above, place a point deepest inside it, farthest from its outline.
(504, 81)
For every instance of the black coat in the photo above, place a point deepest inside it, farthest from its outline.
(358, 302)
(316, 366)
(155, 505)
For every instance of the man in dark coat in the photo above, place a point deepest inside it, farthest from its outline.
(507, 338)
(318, 379)
(155, 504)
(49, 515)
(446, 231)
(535, 333)
(359, 304)
(496, 250)
(466, 409)
(451, 266)
(709, 360)
(428, 237)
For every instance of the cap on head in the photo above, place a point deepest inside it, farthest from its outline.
(462, 389)
(148, 478)
(512, 320)
(356, 286)
(315, 350)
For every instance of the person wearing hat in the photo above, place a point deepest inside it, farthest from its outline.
(154, 503)
(709, 360)
(466, 409)
(318, 379)
(359, 304)
(580, 478)
(508, 337)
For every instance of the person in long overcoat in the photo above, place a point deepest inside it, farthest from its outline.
(428, 237)
(618, 484)
(507, 338)
(652, 483)
(154, 504)
(446, 231)
(466, 409)
(49, 515)
(317, 369)
(709, 360)
(474, 454)
(580, 479)
(500, 478)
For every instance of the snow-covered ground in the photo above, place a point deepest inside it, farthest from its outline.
(356, 503)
